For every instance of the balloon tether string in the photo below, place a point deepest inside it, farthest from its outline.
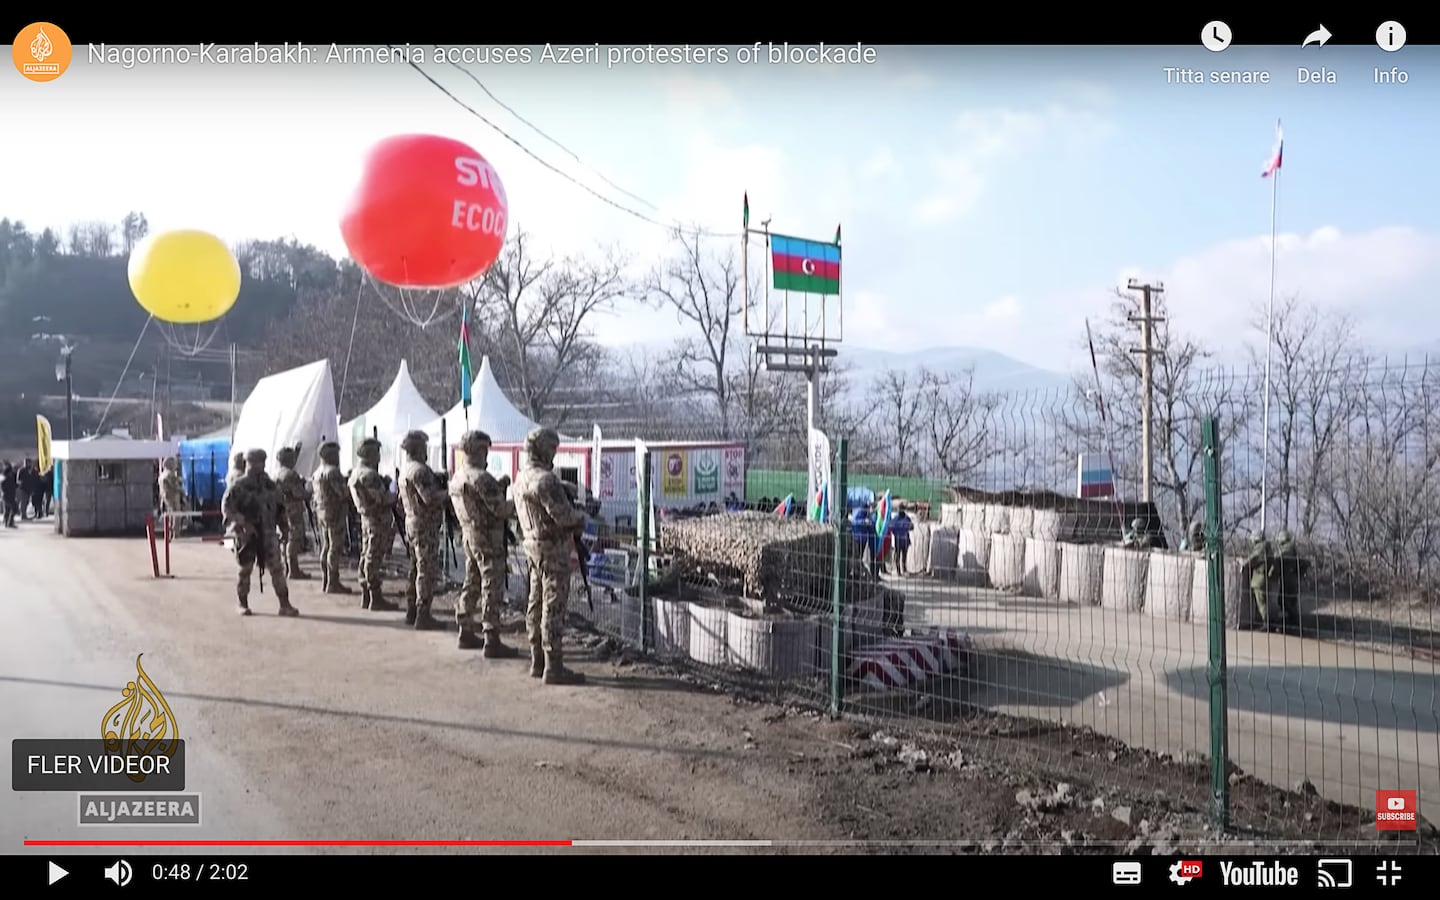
(118, 384)
(354, 323)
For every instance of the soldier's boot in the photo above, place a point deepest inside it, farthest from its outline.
(424, 621)
(365, 596)
(333, 586)
(297, 575)
(244, 608)
(289, 611)
(378, 603)
(498, 649)
(469, 640)
(324, 582)
(537, 660)
(556, 673)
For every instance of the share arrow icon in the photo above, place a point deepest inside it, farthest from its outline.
(1319, 36)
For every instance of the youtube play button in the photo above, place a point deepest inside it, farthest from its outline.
(56, 873)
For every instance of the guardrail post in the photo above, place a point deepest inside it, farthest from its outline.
(1216, 668)
(839, 570)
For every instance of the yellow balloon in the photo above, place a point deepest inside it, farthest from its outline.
(184, 277)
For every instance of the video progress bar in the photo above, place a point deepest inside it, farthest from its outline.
(401, 843)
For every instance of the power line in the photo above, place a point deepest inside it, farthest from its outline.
(536, 128)
(695, 232)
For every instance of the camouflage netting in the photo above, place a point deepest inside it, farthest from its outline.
(760, 555)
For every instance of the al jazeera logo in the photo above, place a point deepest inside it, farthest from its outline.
(133, 774)
(42, 51)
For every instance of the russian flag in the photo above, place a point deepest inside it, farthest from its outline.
(783, 509)
(1273, 165)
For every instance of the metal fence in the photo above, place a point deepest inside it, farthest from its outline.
(1018, 602)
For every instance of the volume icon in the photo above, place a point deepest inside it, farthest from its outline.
(119, 873)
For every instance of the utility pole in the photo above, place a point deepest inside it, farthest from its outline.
(1148, 292)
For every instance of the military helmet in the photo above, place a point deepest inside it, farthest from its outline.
(414, 440)
(171, 464)
(368, 449)
(240, 457)
(330, 452)
(1284, 537)
(255, 458)
(1257, 538)
(1137, 524)
(475, 443)
(542, 443)
(287, 456)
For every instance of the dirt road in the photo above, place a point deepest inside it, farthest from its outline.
(343, 724)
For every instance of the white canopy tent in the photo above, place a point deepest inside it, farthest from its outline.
(490, 411)
(402, 409)
(292, 407)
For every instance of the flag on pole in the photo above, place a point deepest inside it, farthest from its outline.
(464, 348)
(42, 435)
(882, 525)
(820, 509)
(811, 267)
(1273, 164)
(745, 222)
(837, 235)
(783, 509)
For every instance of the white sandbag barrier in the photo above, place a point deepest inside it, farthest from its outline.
(1042, 569)
(944, 550)
(709, 627)
(1167, 585)
(1082, 573)
(973, 550)
(997, 519)
(918, 560)
(952, 516)
(1239, 608)
(672, 629)
(1022, 521)
(1123, 585)
(1045, 524)
(1007, 561)
(775, 648)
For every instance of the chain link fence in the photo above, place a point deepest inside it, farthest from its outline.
(1267, 597)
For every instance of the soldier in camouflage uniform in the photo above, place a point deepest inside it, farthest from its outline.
(296, 495)
(332, 510)
(1257, 565)
(376, 507)
(172, 493)
(548, 523)
(423, 495)
(237, 470)
(1288, 568)
(254, 509)
(483, 511)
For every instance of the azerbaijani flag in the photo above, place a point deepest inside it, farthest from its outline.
(811, 267)
(820, 508)
(465, 376)
(783, 509)
(882, 525)
(1273, 165)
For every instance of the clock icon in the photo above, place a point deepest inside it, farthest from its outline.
(1216, 36)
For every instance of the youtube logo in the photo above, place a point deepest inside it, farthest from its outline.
(1396, 810)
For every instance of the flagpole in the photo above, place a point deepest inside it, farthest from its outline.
(1269, 332)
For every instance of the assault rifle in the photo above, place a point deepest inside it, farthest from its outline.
(579, 541)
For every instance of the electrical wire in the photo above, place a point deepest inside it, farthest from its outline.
(689, 232)
(536, 128)
(354, 323)
(99, 429)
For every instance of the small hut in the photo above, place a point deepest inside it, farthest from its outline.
(105, 486)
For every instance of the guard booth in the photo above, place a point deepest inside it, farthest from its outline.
(106, 486)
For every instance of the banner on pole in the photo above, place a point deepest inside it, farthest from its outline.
(818, 470)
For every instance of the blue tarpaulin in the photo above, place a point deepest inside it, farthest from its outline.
(204, 463)
(859, 496)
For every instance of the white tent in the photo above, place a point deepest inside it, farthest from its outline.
(400, 410)
(297, 406)
(490, 412)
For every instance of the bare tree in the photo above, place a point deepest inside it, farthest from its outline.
(93, 239)
(959, 425)
(133, 228)
(537, 313)
(899, 398)
(703, 288)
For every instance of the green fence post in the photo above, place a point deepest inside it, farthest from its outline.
(839, 570)
(645, 537)
(1215, 669)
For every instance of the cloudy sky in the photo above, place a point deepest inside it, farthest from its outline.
(990, 197)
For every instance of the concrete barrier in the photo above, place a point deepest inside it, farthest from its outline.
(1082, 568)
(1045, 524)
(1167, 585)
(1042, 569)
(952, 516)
(997, 519)
(1007, 561)
(1022, 521)
(709, 642)
(944, 551)
(973, 550)
(777, 648)
(1239, 609)
(918, 562)
(1123, 585)
(672, 629)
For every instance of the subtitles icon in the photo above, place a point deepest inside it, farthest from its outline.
(1334, 873)
(1125, 872)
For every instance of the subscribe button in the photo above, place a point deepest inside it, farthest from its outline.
(97, 765)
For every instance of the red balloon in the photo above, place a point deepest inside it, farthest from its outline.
(429, 212)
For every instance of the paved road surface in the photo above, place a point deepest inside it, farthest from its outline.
(1350, 721)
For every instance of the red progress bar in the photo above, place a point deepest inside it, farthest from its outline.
(297, 843)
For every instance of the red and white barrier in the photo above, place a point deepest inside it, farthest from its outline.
(170, 532)
(901, 662)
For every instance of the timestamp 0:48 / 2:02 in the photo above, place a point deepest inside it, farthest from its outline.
(203, 871)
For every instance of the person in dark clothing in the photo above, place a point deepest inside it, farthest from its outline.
(9, 486)
(900, 528)
(26, 479)
(48, 492)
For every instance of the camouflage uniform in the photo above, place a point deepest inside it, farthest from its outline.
(423, 494)
(296, 495)
(332, 510)
(548, 523)
(1195, 537)
(1258, 565)
(377, 511)
(253, 508)
(482, 510)
(237, 469)
(1288, 569)
(172, 492)
(1139, 538)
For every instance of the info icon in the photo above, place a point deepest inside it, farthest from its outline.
(1396, 810)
